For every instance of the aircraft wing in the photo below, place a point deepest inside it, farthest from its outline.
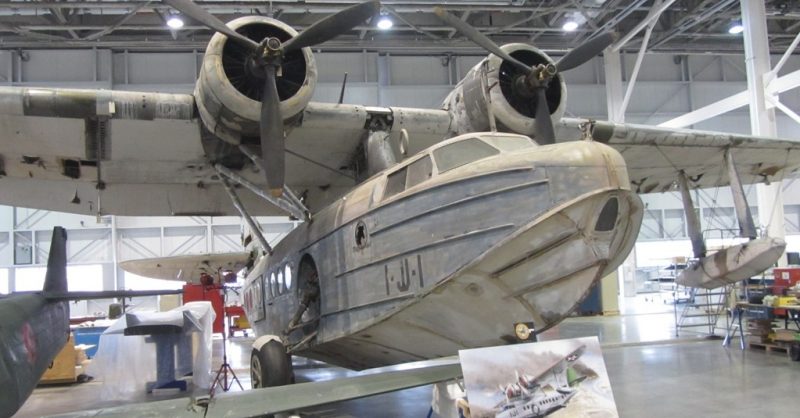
(559, 367)
(154, 158)
(654, 155)
(186, 268)
(264, 401)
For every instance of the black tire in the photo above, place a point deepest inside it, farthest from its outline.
(270, 366)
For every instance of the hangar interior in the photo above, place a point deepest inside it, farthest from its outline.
(683, 62)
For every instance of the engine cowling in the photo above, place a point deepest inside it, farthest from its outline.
(228, 95)
(514, 109)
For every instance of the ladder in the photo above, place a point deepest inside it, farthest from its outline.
(701, 313)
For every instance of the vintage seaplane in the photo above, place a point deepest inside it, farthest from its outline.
(426, 230)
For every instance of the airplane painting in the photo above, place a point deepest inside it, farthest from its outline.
(426, 231)
(552, 378)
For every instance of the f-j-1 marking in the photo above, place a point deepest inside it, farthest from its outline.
(407, 273)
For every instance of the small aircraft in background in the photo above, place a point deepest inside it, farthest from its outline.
(537, 397)
(34, 326)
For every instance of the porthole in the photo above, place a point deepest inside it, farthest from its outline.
(272, 289)
(280, 282)
(361, 234)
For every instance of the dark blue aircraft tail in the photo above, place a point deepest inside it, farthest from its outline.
(55, 281)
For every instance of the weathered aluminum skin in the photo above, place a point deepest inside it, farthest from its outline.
(733, 264)
(454, 261)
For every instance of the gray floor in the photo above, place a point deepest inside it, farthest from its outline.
(652, 375)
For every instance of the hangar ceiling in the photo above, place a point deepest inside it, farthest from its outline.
(686, 26)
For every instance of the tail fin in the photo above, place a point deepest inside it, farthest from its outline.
(55, 281)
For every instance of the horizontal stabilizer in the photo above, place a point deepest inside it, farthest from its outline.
(110, 294)
(733, 264)
(187, 268)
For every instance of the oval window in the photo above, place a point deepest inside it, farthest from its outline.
(280, 282)
(288, 277)
(272, 288)
(361, 234)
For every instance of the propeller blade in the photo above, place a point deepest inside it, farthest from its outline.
(583, 53)
(271, 127)
(191, 9)
(479, 38)
(544, 125)
(333, 25)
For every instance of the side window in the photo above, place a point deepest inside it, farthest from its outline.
(461, 153)
(280, 281)
(395, 183)
(419, 171)
(272, 292)
(288, 277)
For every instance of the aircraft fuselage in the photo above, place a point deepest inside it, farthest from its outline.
(448, 250)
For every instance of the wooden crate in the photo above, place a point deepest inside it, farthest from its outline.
(66, 366)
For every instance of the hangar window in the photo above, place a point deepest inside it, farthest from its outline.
(419, 171)
(509, 143)
(395, 183)
(461, 153)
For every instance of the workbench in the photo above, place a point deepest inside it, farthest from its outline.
(792, 313)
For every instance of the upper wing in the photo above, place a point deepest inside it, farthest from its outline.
(655, 156)
(186, 268)
(258, 402)
(135, 153)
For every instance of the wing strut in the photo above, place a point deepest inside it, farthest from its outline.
(284, 203)
(693, 223)
(747, 227)
(247, 218)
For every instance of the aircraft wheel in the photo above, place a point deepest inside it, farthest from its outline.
(270, 366)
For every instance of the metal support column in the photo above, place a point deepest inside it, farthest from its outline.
(762, 118)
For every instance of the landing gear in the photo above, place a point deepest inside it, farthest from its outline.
(270, 365)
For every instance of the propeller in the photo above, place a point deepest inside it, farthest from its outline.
(533, 80)
(264, 60)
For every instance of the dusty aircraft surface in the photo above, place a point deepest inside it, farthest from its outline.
(428, 234)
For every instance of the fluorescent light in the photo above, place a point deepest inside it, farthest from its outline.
(736, 28)
(385, 23)
(570, 26)
(175, 22)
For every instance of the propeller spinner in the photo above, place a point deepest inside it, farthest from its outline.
(264, 61)
(533, 80)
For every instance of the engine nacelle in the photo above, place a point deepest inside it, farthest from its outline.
(513, 109)
(228, 96)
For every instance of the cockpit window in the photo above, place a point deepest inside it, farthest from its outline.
(395, 183)
(460, 153)
(509, 143)
(419, 171)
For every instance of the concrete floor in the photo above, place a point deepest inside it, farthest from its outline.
(652, 374)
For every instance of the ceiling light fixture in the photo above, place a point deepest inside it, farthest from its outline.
(175, 22)
(385, 23)
(736, 28)
(570, 26)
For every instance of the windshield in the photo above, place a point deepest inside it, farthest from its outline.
(509, 143)
(460, 153)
